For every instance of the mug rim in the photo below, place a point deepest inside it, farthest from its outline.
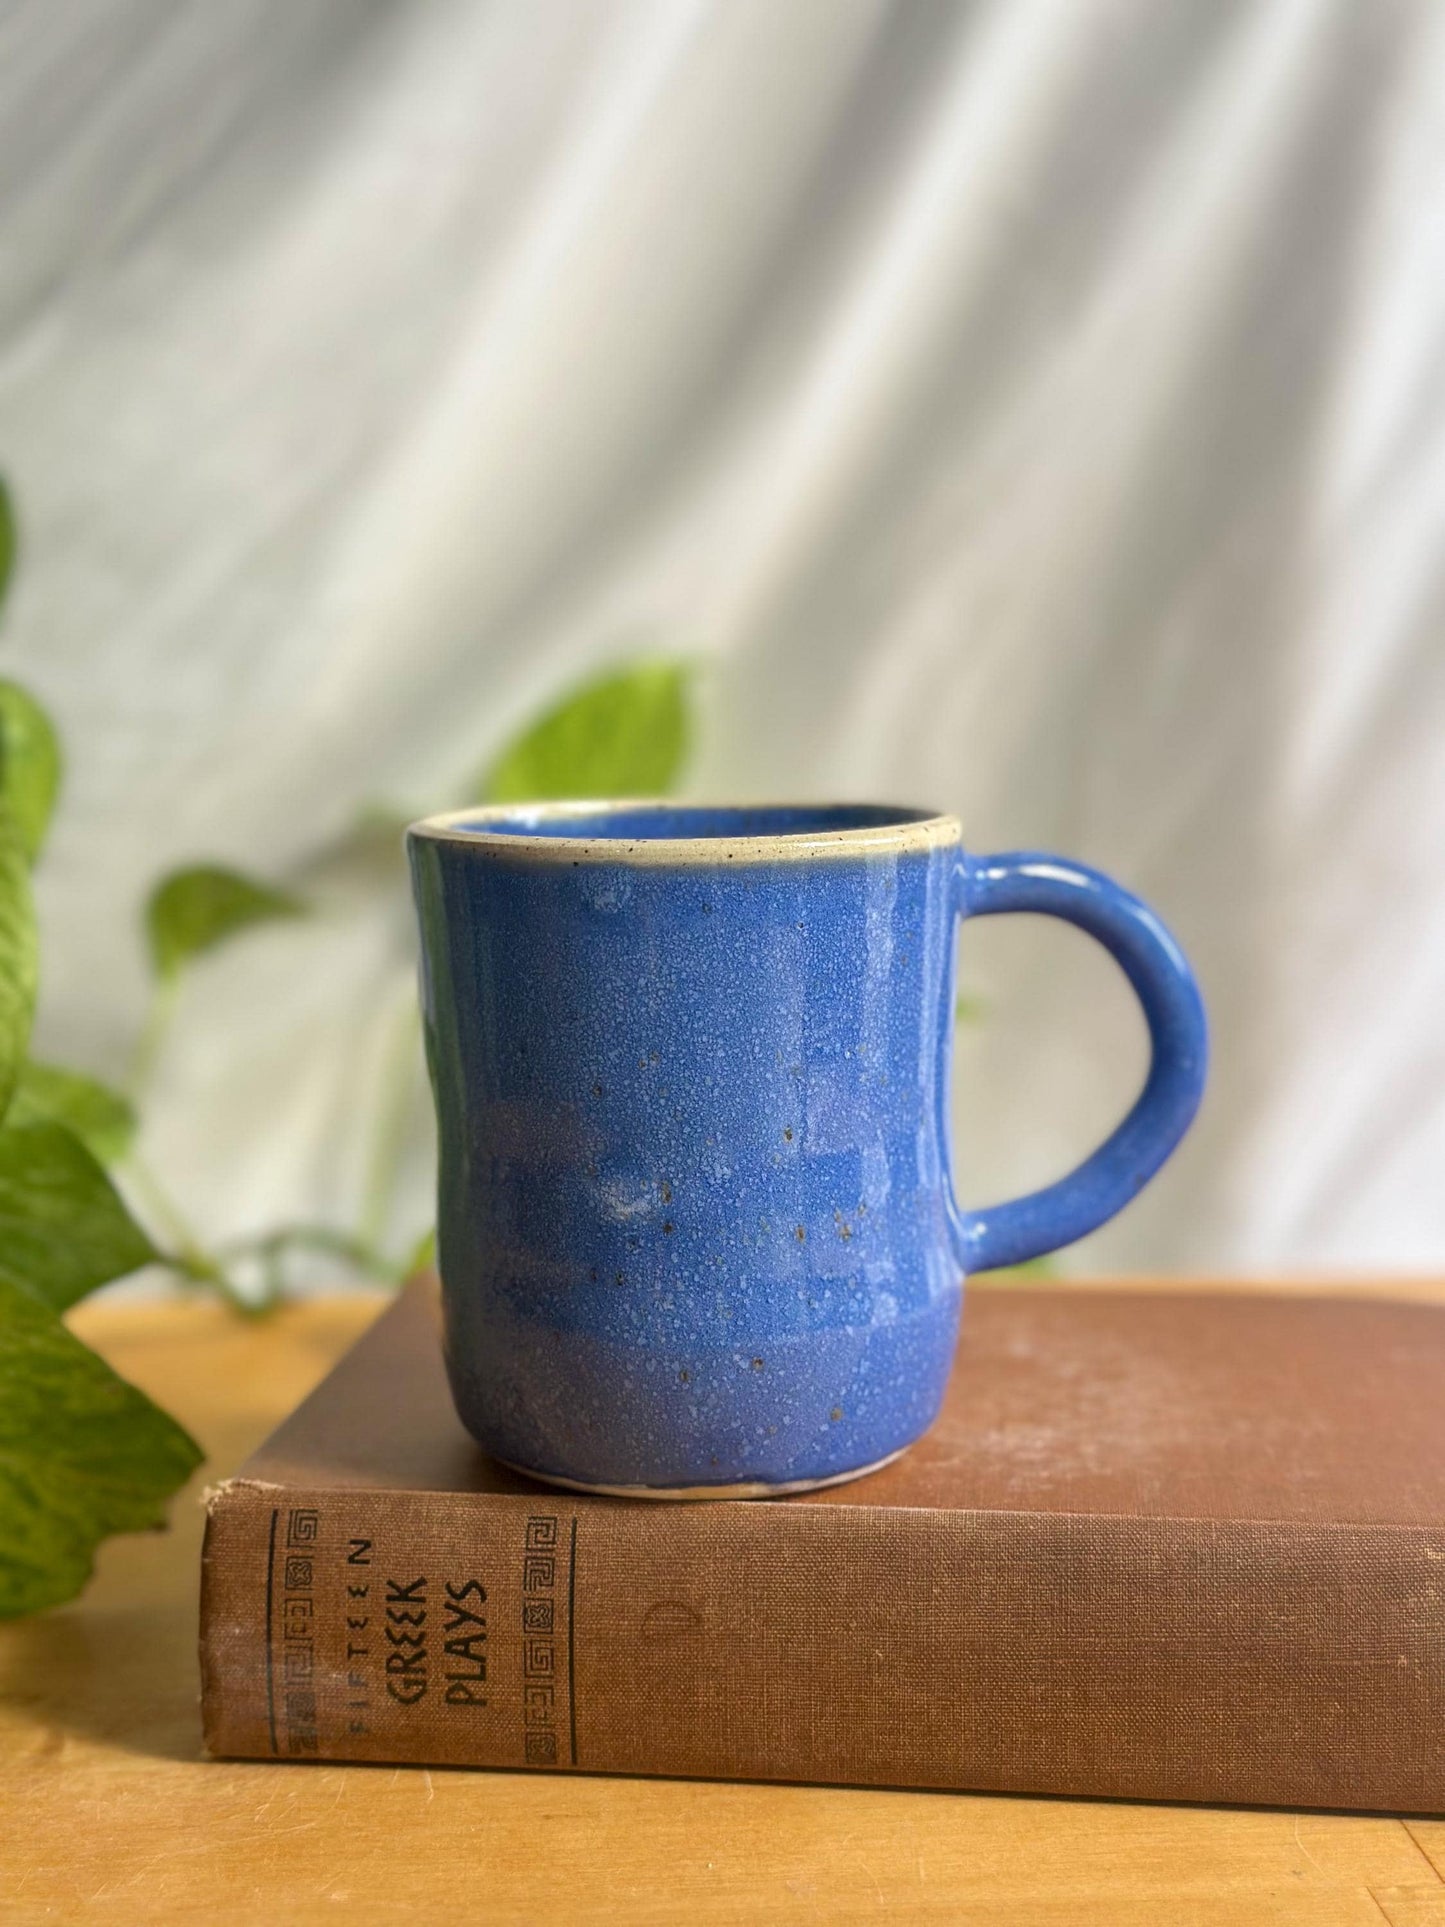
(485, 829)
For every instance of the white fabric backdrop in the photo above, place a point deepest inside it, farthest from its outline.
(1037, 410)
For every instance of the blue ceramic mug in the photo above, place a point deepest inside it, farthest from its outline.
(697, 1230)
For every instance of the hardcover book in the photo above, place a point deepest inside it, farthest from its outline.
(1165, 1545)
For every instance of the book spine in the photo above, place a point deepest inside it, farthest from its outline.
(1156, 1659)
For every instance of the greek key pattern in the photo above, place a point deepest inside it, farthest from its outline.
(298, 1632)
(539, 1648)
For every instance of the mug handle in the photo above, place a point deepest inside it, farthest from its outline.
(1028, 880)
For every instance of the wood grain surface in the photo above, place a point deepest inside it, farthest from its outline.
(109, 1812)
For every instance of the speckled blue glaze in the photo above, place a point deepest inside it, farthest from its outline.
(696, 1223)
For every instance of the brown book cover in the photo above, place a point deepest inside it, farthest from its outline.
(1172, 1546)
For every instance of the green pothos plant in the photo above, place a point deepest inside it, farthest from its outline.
(84, 1454)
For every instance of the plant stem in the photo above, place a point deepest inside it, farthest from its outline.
(188, 1258)
(360, 1253)
(153, 1034)
(389, 1135)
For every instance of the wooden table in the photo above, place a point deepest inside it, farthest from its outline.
(108, 1810)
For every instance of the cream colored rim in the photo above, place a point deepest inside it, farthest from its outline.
(472, 829)
(690, 1494)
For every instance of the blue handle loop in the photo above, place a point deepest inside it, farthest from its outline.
(990, 886)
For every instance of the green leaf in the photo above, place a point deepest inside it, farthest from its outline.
(194, 910)
(30, 765)
(8, 539)
(82, 1455)
(101, 1118)
(63, 1227)
(19, 960)
(624, 734)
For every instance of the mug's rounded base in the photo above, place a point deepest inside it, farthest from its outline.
(746, 1489)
